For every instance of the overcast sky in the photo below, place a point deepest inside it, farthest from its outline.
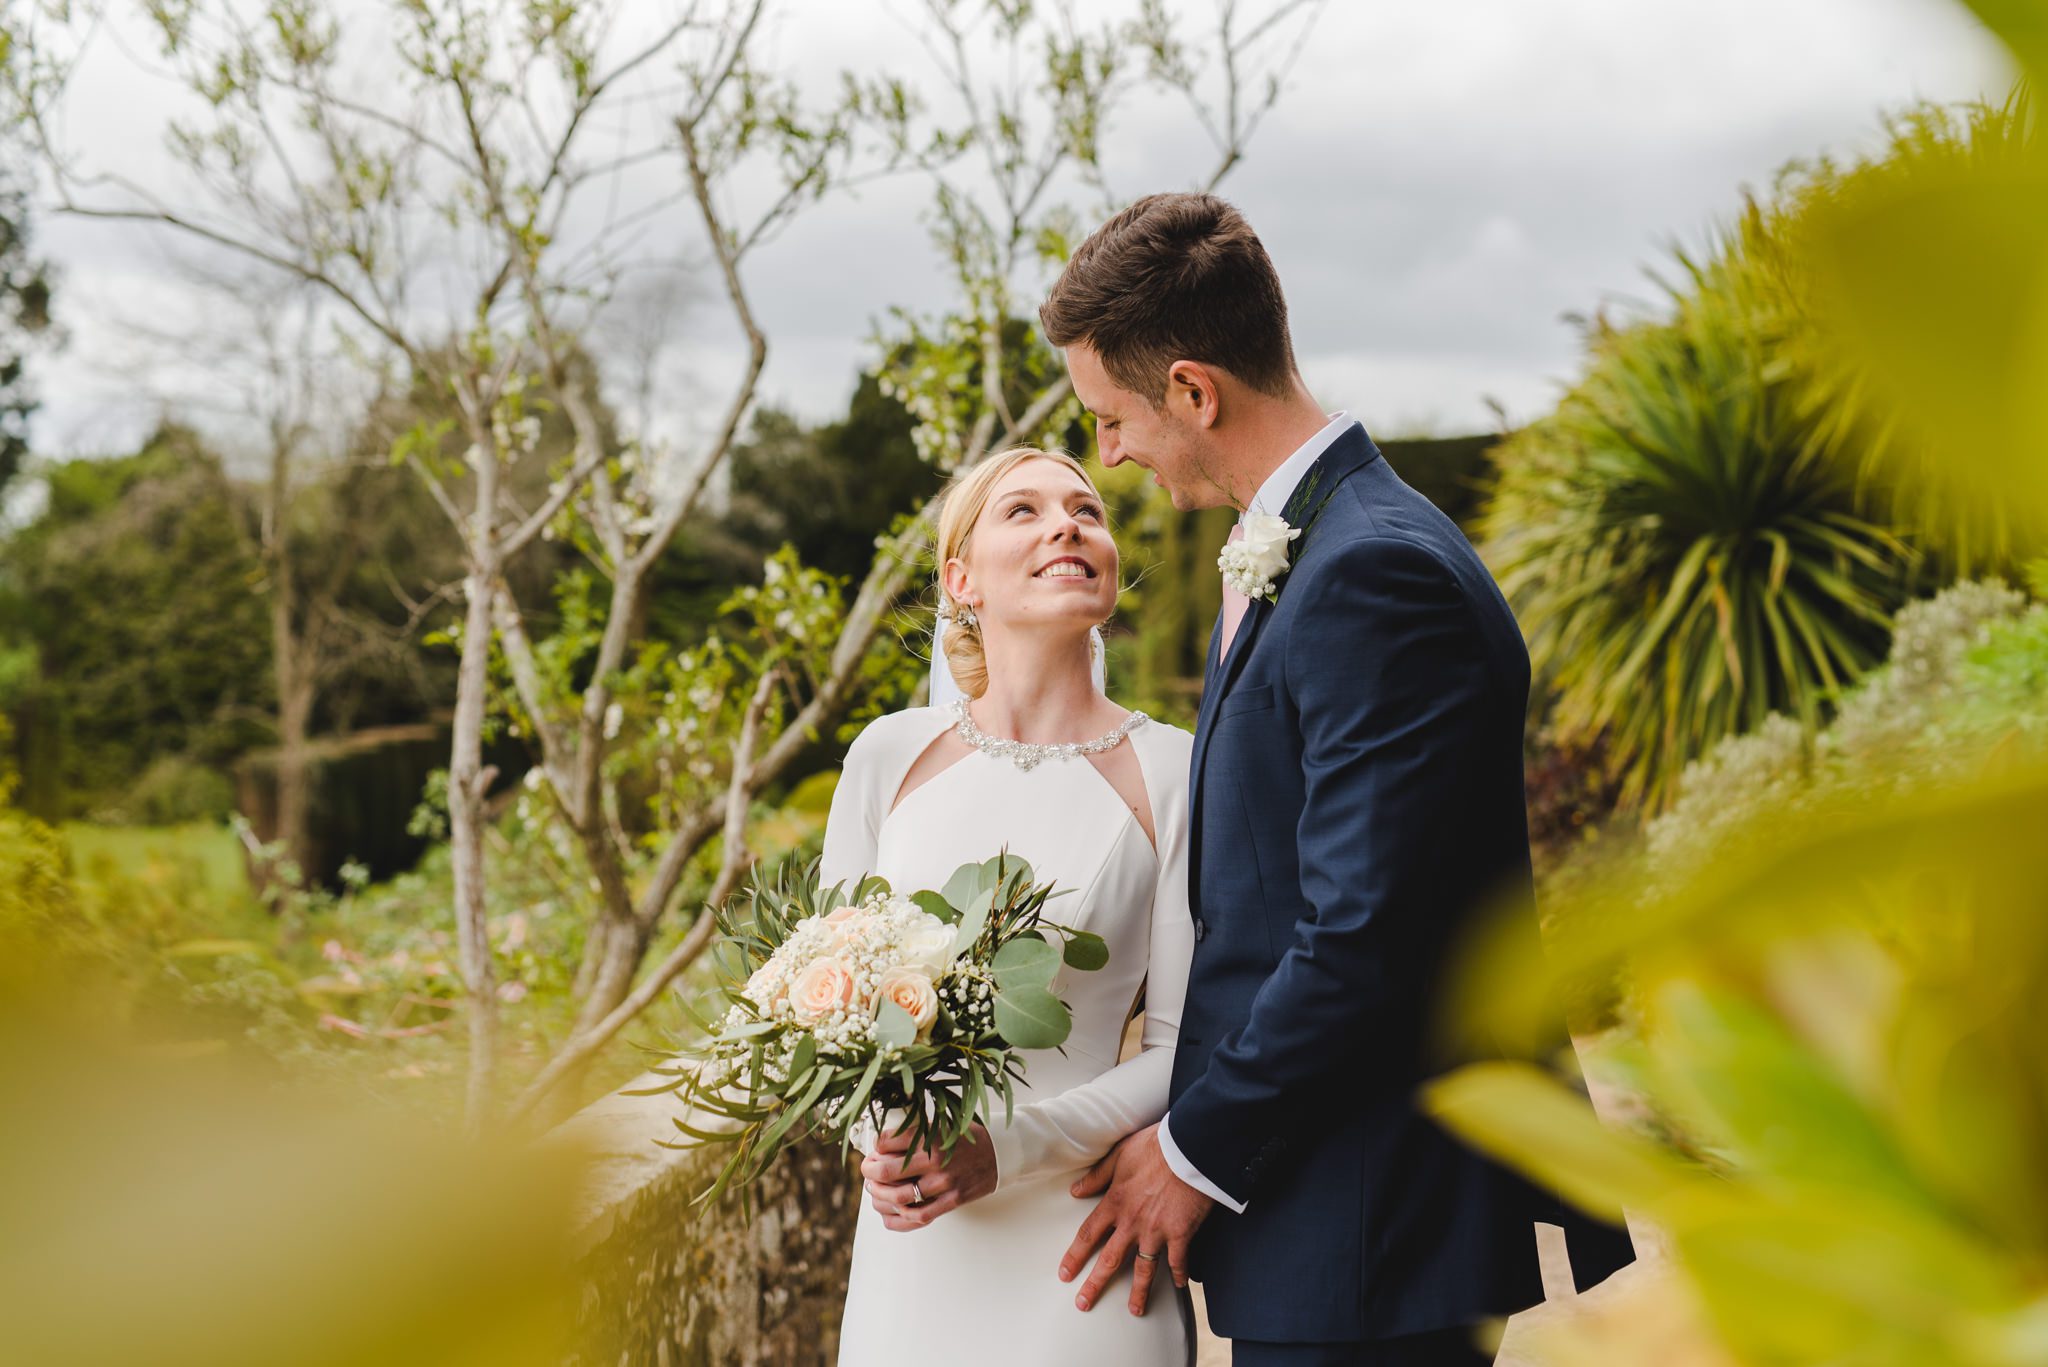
(1443, 181)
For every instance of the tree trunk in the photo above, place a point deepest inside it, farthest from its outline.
(293, 671)
(593, 955)
(294, 779)
(611, 961)
(468, 781)
(624, 946)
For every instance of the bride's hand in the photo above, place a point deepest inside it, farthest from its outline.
(898, 1178)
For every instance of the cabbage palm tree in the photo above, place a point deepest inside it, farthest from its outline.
(1682, 554)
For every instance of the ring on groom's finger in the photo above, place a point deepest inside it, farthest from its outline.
(1149, 1257)
(916, 1191)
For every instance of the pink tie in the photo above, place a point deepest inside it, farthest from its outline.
(1234, 605)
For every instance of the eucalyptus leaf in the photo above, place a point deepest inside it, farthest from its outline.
(894, 1029)
(1025, 962)
(935, 905)
(1086, 951)
(972, 922)
(1032, 1018)
(964, 886)
(996, 872)
(1005, 867)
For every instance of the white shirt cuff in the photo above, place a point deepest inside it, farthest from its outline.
(1188, 1172)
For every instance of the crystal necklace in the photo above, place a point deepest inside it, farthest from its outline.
(1027, 756)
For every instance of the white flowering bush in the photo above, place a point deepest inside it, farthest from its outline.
(846, 1006)
(1930, 641)
(1897, 727)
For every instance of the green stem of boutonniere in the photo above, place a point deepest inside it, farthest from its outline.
(1298, 503)
(1300, 513)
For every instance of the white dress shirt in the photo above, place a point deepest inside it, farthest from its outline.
(1271, 498)
(1279, 486)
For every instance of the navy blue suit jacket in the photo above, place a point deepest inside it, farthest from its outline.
(1357, 798)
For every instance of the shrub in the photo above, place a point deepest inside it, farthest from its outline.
(1920, 715)
(1682, 563)
(174, 789)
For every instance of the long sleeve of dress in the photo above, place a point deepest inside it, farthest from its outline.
(853, 825)
(1074, 1128)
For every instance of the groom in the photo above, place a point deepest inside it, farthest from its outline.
(1357, 797)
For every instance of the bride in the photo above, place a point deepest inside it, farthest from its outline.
(1036, 760)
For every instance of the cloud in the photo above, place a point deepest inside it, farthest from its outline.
(1440, 186)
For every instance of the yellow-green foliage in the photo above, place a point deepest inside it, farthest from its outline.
(37, 898)
(1843, 1010)
(1957, 509)
(1842, 1018)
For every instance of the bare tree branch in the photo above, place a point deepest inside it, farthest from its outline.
(735, 860)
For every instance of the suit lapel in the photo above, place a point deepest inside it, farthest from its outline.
(1216, 681)
(1352, 450)
(1210, 672)
(1205, 722)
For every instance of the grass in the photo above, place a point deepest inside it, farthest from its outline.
(357, 990)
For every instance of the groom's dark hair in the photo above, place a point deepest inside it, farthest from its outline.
(1174, 278)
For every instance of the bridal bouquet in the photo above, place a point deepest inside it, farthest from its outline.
(847, 1007)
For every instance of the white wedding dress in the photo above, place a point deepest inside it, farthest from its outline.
(982, 1281)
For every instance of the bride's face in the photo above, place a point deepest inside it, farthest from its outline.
(1040, 553)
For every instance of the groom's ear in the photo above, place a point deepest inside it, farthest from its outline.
(1193, 393)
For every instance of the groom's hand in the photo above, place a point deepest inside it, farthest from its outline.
(896, 1178)
(1146, 1209)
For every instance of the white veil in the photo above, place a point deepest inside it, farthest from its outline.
(943, 692)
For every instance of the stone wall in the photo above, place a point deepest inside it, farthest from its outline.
(665, 1288)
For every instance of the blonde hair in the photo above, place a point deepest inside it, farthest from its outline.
(959, 510)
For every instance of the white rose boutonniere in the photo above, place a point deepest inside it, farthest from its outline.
(1254, 562)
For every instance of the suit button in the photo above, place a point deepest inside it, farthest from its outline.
(1201, 930)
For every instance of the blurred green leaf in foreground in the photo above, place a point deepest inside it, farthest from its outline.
(1838, 1027)
(164, 1205)
(1843, 1026)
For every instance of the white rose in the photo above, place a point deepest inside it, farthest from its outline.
(1264, 544)
(928, 947)
(913, 992)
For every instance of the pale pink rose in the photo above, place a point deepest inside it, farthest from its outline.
(912, 991)
(847, 923)
(825, 986)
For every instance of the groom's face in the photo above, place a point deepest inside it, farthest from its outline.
(1151, 433)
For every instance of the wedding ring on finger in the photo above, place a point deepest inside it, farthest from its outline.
(917, 1192)
(1148, 1257)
